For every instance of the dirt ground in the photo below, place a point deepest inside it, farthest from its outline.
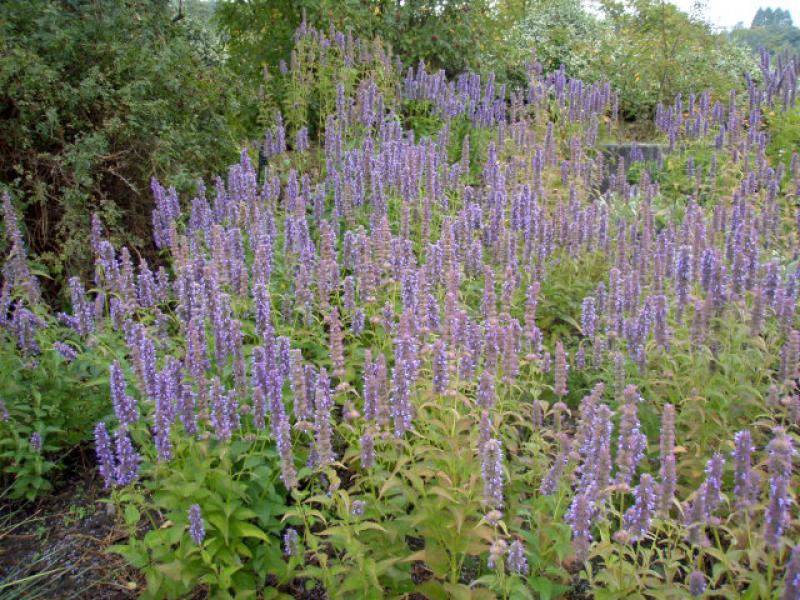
(56, 548)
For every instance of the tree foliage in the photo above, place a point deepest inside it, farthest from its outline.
(652, 51)
(95, 99)
(772, 29)
(555, 33)
(455, 35)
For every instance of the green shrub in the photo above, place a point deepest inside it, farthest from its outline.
(97, 98)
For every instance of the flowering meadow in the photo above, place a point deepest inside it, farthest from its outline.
(432, 338)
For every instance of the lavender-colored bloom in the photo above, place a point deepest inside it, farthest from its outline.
(660, 328)
(124, 405)
(596, 455)
(560, 385)
(516, 560)
(776, 517)
(291, 542)
(36, 441)
(486, 390)
(357, 508)
(537, 415)
(667, 471)
(708, 268)
(696, 519)
(336, 343)
(588, 317)
(367, 451)
(186, 402)
(492, 472)
(67, 352)
(546, 359)
(25, 324)
(281, 431)
(301, 392)
(530, 309)
(15, 270)
(357, 324)
(580, 517)
(144, 356)
(757, 314)
(580, 358)
(400, 406)
(790, 356)
(683, 278)
(164, 414)
(636, 520)
(632, 443)
(127, 466)
(559, 408)
(712, 488)
(697, 583)
(551, 481)
(323, 431)
(496, 551)
(81, 307)
(301, 137)
(791, 590)
(224, 411)
(196, 529)
(105, 455)
(349, 298)
(746, 480)
(441, 375)
(221, 317)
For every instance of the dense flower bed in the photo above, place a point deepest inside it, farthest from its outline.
(447, 364)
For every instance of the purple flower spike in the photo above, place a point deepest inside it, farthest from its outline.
(127, 468)
(492, 471)
(196, 529)
(588, 317)
(697, 583)
(580, 517)
(105, 455)
(791, 590)
(637, 518)
(516, 560)
(291, 542)
(776, 517)
(124, 405)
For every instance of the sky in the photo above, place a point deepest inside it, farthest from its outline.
(726, 13)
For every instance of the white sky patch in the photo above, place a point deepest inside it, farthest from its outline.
(727, 13)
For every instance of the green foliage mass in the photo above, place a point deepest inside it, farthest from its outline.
(455, 35)
(97, 98)
(651, 51)
(648, 49)
(100, 96)
(771, 29)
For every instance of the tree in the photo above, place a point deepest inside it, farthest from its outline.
(557, 32)
(771, 29)
(768, 17)
(654, 51)
(444, 33)
(97, 97)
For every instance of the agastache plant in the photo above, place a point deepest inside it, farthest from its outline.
(196, 529)
(416, 301)
(492, 473)
(776, 517)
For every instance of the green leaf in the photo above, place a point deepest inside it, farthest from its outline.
(132, 515)
(244, 529)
